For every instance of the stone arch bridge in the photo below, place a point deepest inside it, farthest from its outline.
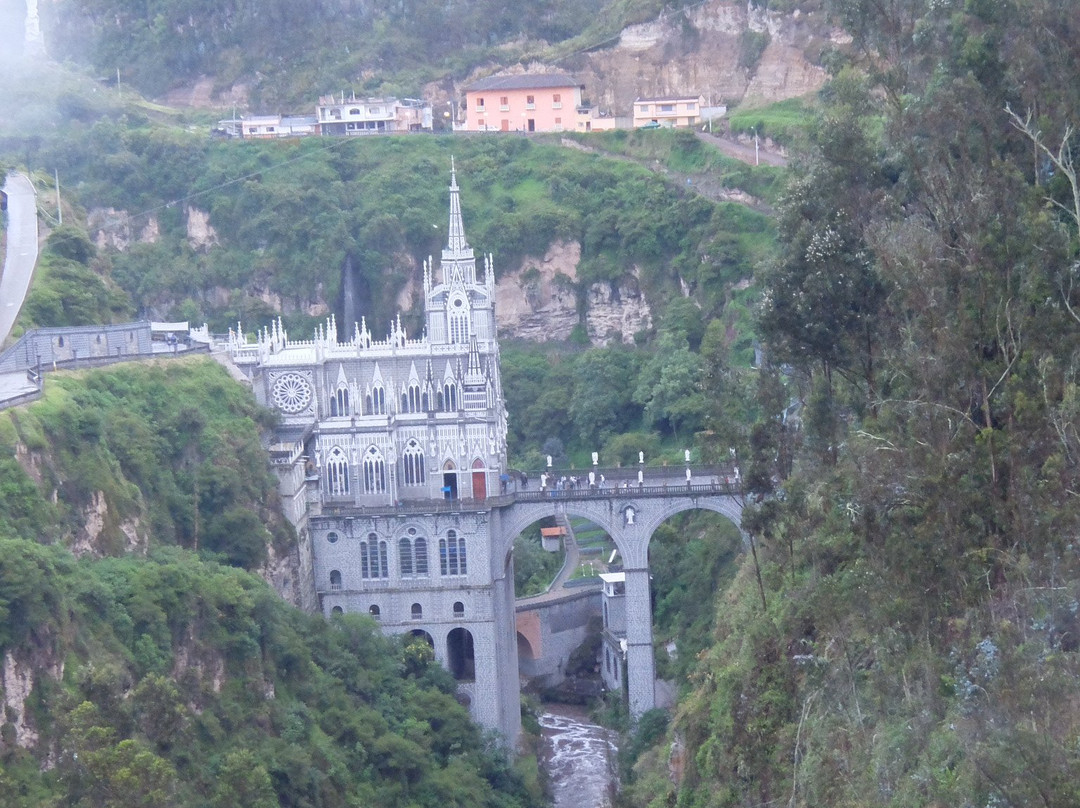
(630, 515)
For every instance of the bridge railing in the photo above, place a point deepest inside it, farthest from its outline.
(668, 487)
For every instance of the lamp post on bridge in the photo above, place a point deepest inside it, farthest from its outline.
(641, 469)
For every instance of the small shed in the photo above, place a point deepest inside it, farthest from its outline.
(551, 538)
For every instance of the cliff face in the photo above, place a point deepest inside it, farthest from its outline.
(711, 50)
(539, 301)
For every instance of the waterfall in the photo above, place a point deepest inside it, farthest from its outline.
(354, 299)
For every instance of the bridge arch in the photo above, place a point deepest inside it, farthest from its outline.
(631, 518)
(610, 513)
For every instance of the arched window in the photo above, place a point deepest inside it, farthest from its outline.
(413, 460)
(459, 321)
(373, 610)
(449, 397)
(339, 402)
(420, 550)
(376, 401)
(373, 558)
(417, 612)
(459, 609)
(335, 579)
(337, 610)
(452, 554)
(337, 472)
(405, 557)
(414, 400)
(374, 472)
(425, 401)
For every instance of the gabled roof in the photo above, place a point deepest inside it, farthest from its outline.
(524, 81)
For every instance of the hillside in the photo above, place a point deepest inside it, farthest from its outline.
(140, 669)
(904, 632)
(274, 57)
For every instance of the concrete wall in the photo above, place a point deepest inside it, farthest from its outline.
(64, 346)
(553, 631)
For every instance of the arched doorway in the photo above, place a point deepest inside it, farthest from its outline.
(479, 479)
(460, 654)
(450, 487)
(420, 634)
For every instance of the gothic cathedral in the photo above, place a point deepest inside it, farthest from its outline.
(388, 452)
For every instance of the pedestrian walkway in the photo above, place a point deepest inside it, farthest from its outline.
(22, 249)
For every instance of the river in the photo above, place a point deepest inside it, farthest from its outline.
(579, 757)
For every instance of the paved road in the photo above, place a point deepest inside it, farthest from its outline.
(22, 249)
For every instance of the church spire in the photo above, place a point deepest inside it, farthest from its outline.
(456, 243)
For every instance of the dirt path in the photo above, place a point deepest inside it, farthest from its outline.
(743, 151)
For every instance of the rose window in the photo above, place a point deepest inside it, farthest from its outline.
(292, 393)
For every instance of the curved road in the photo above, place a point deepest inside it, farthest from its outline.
(22, 249)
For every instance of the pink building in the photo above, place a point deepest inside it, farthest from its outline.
(538, 102)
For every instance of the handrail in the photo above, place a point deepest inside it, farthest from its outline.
(675, 487)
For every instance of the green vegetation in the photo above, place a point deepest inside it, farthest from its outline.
(167, 454)
(283, 51)
(534, 567)
(785, 122)
(170, 681)
(161, 677)
(902, 632)
(286, 214)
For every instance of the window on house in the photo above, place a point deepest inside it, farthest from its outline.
(530, 102)
(667, 107)
(479, 103)
(405, 557)
(556, 101)
(332, 537)
(504, 102)
(337, 610)
(417, 611)
(374, 611)
(459, 609)
(335, 579)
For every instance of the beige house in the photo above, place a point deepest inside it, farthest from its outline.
(668, 111)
